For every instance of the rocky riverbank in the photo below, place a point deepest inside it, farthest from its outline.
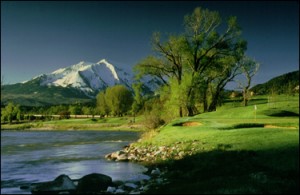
(97, 183)
(153, 153)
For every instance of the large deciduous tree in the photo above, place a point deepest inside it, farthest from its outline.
(168, 61)
(207, 51)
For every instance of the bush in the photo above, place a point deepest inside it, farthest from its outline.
(31, 117)
(93, 119)
(64, 115)
(153, 119)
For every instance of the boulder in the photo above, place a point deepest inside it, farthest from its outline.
(61, 184)
(93, 183)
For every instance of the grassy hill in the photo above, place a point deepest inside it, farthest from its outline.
(281, 84)
(32, 94)
(233, 150)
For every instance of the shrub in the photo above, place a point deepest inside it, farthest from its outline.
(153, 119)
(64, 115)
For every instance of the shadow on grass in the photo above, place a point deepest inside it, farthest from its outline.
(284, 113)
(243, 125)
(233, 172)
(240, 100)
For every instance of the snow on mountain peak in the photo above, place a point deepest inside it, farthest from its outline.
(111, 67)
(88, 77)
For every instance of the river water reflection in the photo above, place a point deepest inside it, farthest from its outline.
(37, 156)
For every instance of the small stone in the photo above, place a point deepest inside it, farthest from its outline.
(155, 172)
(159, 181)
(181, 154)
(145, 188)
(157, 152)
(135, 192)
(66, 192)
(131, 185)
(122, 157)
(111, 189)
(120, 191)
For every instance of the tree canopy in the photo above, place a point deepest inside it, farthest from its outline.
(201, 61)
(116, 100)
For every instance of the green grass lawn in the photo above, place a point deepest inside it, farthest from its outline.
(236, 152)
(111, 123)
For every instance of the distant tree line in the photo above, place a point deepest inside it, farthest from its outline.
(14, 112)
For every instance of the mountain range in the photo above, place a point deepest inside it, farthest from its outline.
(80, 82)
(86, 77)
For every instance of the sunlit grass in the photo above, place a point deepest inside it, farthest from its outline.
(109, 123)
(236, 152)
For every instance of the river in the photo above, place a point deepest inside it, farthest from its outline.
(38, 156)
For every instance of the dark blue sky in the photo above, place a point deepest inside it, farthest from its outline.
(40, 37)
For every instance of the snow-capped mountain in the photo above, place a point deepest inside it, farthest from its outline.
(77, 83)
(87, 77)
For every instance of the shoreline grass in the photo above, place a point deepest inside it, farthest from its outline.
(113, 124)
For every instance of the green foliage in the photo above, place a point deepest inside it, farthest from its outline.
(75, 109)
(64, 114)
(199, 57)
(102, 106)
(175, 97)
(153, 113)
(86, 110)
(57, 109)
(116, 100)
(11, 112)
(137, 99)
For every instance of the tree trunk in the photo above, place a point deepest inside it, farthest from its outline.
(213, 104)
(180, 111)
(190, 99)
(190, 110)
(205, 105)
(245, 102)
